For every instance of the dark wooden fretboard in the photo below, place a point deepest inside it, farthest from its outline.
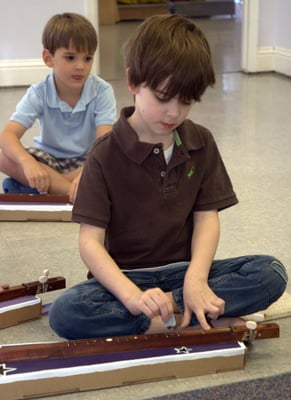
(34, 198)
(33, 288)
(75, 348)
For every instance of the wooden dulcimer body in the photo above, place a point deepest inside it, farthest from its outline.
(35, 207)
(33, 288)
(34, 198)
(79, 348)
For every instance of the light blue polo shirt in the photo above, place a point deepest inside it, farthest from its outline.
(66, 132)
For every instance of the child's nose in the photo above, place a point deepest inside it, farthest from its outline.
(80, 64)
(173, 108)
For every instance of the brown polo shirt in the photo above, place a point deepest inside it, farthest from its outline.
(145, 205)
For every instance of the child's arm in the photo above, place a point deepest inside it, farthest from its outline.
(198, 297)
(102, 129)
(18, 160)
(152, 302)
(10, 142)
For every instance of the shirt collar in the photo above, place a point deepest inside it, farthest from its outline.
(88, 93)
(187, 138)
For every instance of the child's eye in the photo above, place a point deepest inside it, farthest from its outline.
(164, 99)
(69, 58)
(161, 98)
(89, 58)
(186, 102)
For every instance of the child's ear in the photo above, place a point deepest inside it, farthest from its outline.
(47, 58)
(132, 88)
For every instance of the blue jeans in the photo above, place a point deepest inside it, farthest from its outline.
(247, 284)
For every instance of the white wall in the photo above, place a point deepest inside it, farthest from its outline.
(267, 23)
(283, 37)
(266, 36)
(283, 27)
(266, 39)
(21, 28)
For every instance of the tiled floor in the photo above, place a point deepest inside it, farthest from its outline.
(250, 118)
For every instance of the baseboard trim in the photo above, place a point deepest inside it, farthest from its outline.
(22, 72)
(283, 61)
(265, 59)
(275, 60)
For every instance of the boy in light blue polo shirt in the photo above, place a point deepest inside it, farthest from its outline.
(72, 106)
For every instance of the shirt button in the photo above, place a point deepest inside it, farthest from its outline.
(163, 174)
(156, 150)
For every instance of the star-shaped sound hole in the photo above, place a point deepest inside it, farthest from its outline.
(183, 350)
(4, 370)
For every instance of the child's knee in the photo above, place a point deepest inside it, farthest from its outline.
(59, 316)
(280, 274)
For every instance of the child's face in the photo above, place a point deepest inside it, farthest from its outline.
(71, 68)
(157, 114)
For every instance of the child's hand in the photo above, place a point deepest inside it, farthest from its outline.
(153, 302)
(37, 175)
(200, 299)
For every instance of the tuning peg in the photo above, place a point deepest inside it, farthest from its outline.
(251, 325)
(43, 279)
(4, 286)
(251, 334)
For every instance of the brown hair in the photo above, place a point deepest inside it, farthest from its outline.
(69, 28)
(170, 46)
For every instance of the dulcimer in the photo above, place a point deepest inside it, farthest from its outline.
(32, 288)
(85, 347)
(34, 198)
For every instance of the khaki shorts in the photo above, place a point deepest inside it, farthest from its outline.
(62, 165)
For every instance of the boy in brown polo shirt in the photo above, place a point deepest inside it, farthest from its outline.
(148, 205)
